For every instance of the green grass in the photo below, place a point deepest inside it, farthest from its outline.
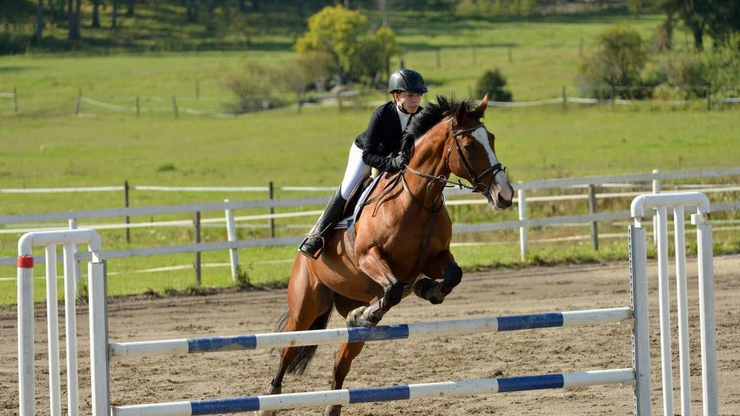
(45, 146)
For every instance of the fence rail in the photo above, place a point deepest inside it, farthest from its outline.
(233, 244)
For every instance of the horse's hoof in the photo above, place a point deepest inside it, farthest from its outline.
(356, 319)
(335, 410)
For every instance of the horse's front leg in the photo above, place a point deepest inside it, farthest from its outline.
(442, 267)
(376, 267)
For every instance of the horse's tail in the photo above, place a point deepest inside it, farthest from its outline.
(305, 353)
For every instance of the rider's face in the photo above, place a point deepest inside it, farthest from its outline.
(409, 101)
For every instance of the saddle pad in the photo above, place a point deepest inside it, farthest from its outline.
(350, 220)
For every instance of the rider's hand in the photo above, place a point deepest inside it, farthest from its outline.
(397, 163)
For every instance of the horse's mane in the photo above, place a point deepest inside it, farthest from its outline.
(436, 112)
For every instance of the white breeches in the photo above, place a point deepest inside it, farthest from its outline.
(356, 170)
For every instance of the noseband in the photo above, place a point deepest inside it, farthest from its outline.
(474, 179)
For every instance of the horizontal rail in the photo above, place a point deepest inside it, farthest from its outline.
(380, 333)
(286, 241)
(381, 394)
(531, 185)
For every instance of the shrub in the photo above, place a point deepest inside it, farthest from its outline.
(618, 61)
(493, 82)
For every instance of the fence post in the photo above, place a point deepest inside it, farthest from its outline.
(231, 235)
(79, 102)
(272, 211)
(709, 99)
(656, 190)
(138, 106)
(592, 210)
(127, 219)
(174, 106)
(78, 273)
(523, 246)
(565, 99)
(15, 99)
(196, 223)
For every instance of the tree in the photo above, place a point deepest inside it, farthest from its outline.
(308, 68)
(39, 20)
(337, 31)
(618, 61)
(96, 14)
(718, 18)
(493, 82)
(376, 53)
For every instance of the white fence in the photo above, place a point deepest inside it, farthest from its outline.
(228, 207)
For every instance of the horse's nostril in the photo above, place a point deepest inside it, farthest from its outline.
(503, 202)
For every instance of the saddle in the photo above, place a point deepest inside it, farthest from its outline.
(355, 202)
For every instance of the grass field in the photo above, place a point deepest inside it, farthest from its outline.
(45, 146)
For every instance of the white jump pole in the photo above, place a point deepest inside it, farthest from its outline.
(98, 320)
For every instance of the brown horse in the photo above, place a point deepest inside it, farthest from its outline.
(402, 241)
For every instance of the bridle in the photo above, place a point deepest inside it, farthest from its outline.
(475, 180)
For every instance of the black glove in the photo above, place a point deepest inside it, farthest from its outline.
(397, 163)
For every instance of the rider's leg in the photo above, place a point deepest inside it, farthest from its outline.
(356, 170)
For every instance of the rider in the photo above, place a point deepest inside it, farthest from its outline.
(380, 147)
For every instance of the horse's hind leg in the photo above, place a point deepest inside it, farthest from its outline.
(346, 353)
(443, 267)
(309, 307)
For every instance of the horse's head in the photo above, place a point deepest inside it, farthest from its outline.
(472, 155)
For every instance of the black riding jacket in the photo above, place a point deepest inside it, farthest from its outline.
(383, 137)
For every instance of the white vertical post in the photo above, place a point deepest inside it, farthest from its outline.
(683, 315)
(640, 334)
(52, 324)
(706, 308)
(656, 190)
(231, 233)
(71, 330)
(78, 272)
(27, 387)
(523, 245)
(99, 364)
(665, 310)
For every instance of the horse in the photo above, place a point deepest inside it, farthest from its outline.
(401, 239)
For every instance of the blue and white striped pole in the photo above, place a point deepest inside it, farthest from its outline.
(380, 333)
(380, 394)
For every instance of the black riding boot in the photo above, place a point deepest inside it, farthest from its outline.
(332, 214)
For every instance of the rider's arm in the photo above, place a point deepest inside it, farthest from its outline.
(371, 145)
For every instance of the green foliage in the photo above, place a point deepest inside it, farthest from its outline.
(493, 82)
(243, 280)
(341, 33)
(717, 69)
(337, 31)
(252, 86)
(498, 7)
(618, 61)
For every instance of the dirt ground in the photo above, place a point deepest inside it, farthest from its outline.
(495, 293)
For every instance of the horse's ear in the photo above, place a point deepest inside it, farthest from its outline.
(461, 113)
(483, 104)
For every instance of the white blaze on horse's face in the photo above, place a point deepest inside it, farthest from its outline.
(505, 191)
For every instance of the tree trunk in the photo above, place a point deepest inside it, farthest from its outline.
(242, 7)
(39, 21)
(255, 5)
(70, 18)
(96, 15)
(130, 10)
(211, 7)
(77, 19)
(301, 9)
(114, 14)
(698, 37)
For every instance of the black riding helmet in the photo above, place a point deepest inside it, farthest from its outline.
(407, 80)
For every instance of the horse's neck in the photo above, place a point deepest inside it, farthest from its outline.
(429, 158)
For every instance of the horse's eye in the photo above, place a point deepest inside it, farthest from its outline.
(468, 147)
